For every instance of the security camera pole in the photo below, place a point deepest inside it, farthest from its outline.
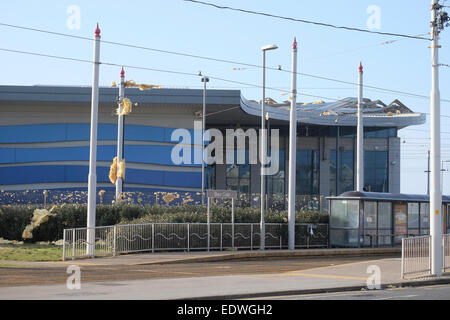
(92, 178)
(292, 151)
(120, 134)
(360, 135)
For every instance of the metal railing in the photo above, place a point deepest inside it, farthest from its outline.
(416, 257)
(151, 237)
(446, 255)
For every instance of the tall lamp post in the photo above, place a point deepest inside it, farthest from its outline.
(204, 80)
(263, 145)
(292, 150)
(360, 135)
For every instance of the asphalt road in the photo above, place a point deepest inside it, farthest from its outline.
(434, 292)
(92, 273)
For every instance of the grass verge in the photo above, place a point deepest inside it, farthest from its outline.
(30, 252)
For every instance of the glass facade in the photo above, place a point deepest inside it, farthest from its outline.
(376, 171)
(238, 175)
(276, 183)
(308, 162)
(307, 175)
(210, 173)
(346, 177)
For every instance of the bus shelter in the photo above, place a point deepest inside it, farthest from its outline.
(372, 219)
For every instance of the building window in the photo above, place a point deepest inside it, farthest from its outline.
(275, 183)
(345, 182)
(376, 171)
(238, 175)
(307, 176)
(210, 172)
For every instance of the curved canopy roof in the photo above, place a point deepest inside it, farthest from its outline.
(341, 113)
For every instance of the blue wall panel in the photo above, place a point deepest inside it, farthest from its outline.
(66, 173)
(151, 154)
(81, 131)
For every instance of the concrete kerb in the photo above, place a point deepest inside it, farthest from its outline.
(393, 285)
(276, 254)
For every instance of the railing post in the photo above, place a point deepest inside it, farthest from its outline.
(429, 253)
(73, 244)
(232, 223)
(221, 236)
(153, 237)
(64, 245)
(188, 237)
(114, 240)
(251, 236)
(403, 259)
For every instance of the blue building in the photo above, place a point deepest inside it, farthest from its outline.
(45, 130)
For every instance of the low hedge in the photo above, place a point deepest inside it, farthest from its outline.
(14, 218)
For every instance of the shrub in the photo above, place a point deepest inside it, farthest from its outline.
(14, 218)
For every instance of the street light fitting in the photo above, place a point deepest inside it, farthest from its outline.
(269, 47)
(205, 79)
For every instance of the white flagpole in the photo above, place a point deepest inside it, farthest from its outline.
(92, 179)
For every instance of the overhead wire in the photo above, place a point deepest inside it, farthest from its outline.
(367, 87)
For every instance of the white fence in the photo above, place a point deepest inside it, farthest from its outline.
(416, 256)
(151, 237)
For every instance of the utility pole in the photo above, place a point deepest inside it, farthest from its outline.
(360, 135)
(92, 178)
(120, 126)
(438, 20)
(292, 150)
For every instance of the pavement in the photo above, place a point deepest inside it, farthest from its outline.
(354, 276)
(207, 256)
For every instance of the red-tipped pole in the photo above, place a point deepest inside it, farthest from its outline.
(122, 73)
(92, 178)
(294, 45)
(97, 31)
(360, 67)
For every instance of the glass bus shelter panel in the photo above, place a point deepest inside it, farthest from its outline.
(400, 222)
(384, 223)
(369, 224)
(413, 219)
(448, 219)
(344, 223)
(424, 218)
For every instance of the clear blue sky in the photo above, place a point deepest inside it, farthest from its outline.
(175, 25)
